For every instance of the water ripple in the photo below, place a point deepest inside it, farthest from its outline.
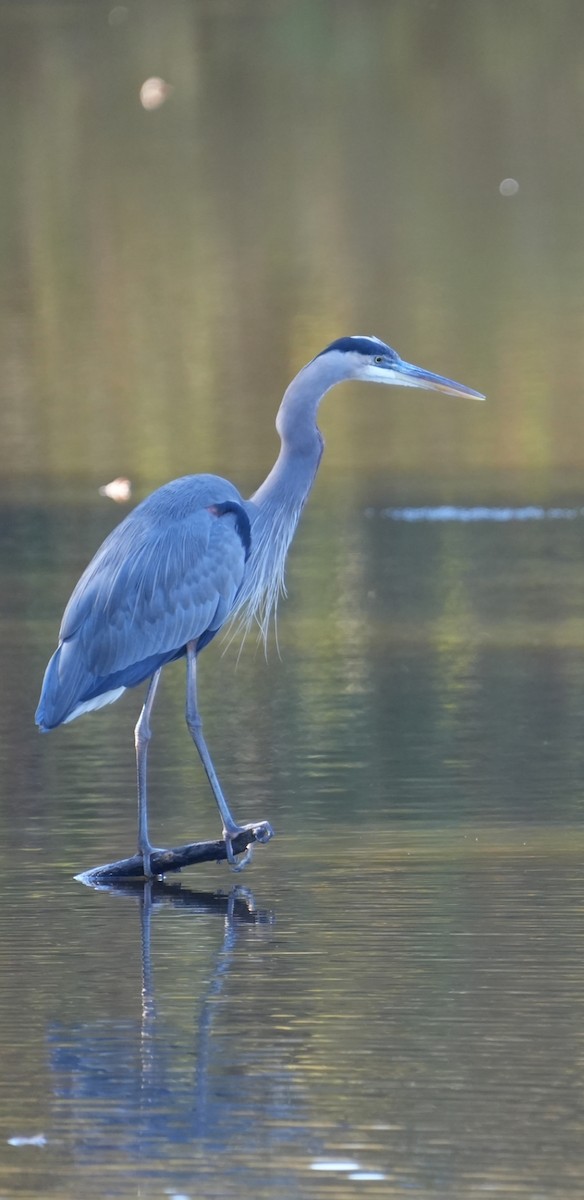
(451, 512)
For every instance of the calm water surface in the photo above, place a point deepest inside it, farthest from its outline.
(397, 1004)
(396, 1007)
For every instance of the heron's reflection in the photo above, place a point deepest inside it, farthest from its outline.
(149, 1088)
(238, 909)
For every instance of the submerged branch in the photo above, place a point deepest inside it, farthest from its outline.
(163, 861)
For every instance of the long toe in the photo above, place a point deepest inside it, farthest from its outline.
(241, 861)
(236, 861)
(262, 832)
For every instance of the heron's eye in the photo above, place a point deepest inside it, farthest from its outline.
(378, 358)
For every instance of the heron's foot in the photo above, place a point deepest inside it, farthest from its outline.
(147, 852)
(262, 831)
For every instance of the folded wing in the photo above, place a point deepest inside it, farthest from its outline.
(169, 574)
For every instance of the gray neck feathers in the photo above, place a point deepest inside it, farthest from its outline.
(275, 508)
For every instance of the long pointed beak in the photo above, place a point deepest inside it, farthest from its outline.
(407, 375)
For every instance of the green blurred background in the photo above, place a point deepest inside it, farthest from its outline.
(318, 168)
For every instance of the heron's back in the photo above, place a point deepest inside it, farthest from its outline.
(170, 573)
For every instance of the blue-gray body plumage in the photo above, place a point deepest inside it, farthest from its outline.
(190, 557)
(168, 574)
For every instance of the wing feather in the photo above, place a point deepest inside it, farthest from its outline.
(169, 590)
(170, 573)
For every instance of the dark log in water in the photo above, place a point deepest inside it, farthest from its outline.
(163, 861)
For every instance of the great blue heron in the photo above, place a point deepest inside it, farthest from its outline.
(191, 556)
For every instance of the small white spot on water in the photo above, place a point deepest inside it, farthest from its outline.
(508, 187)
(38, 1139)
(364, 1176)
(119, 489)
(334, 1164)
(154, 92)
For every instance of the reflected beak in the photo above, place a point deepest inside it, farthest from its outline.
(407, 375)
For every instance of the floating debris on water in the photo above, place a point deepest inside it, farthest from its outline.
(334, 1164)
(154, 92)
(508, 187)
(38, 1139)
(119, 489)
(367, 1175)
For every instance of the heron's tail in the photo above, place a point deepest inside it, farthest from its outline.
(64, 685)
(55, 699)
(71, 688)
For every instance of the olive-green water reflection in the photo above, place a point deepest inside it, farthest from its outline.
(318, 169)
(404, 994)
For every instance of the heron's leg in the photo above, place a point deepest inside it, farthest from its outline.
(142, 735)
(230, 826)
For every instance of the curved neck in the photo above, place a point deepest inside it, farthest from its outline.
(292, 476)
(275, 508)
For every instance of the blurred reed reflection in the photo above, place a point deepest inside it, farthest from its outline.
(314, 172)
(416, 1019)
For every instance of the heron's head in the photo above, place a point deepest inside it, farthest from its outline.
(368, 358)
